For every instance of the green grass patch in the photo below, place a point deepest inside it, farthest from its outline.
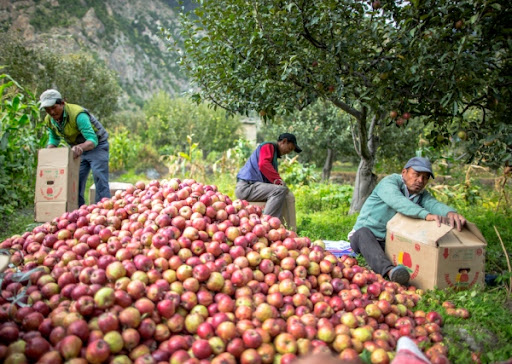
(487, 332)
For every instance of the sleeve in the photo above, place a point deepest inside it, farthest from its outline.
(389, 192)
(435, 207)
(84, 125)
(53, 139)
(265, 163)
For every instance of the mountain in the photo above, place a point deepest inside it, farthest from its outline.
(125, 34)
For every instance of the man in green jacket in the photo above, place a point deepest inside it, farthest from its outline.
(397, 193)
(86, 136)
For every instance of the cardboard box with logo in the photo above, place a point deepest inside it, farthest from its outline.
(435, 256)
(114, 187)
(56, 183)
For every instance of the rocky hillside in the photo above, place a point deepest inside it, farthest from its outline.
(125, 34)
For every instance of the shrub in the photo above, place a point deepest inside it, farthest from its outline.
(124, 149)
(20, 138)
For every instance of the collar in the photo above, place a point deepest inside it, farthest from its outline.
(406, 190)
(64, 120)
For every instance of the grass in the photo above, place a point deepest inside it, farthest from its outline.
(322, 213)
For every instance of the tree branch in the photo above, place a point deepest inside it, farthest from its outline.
(307, 35)
(371, 138)
(347, 108)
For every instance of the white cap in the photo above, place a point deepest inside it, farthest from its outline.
(48, 98)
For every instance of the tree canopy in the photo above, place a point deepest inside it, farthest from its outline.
(429, 59)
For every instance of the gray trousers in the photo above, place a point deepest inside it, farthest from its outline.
(372, 249)
(275, 197)
(97, 160)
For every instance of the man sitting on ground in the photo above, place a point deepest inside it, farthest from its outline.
(397, 193)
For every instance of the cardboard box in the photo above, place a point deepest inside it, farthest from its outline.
(56, 182)
(114, 186)
(47, 211)
(435, 256)
(57, 176)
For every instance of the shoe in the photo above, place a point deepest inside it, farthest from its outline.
(399, 274)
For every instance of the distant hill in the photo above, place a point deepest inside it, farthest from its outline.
(125, 34)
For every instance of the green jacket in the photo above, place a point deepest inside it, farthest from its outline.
(77, 126)
(388, 198)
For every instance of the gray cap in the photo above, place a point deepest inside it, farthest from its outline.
(420, 164)
(49, 97)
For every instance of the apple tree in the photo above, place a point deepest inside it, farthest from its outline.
(381, 62)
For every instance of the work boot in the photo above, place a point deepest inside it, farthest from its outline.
(399, 274)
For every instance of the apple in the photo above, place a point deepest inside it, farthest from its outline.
(97, 351)
(285, 343)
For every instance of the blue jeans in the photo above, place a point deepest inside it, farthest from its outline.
(97, 160)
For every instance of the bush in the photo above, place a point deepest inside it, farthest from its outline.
(323, 197)
(20, 138)
(124, 149)
(295, 173)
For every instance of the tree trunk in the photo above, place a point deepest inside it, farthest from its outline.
(366, 145)
(326, 171)
(366, 180)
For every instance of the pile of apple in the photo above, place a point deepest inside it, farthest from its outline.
(176, 272)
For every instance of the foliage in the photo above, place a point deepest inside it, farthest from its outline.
(328, 225)
(188, 162)
(434, 59)
(231, 160)
(295, 173)
(124, 149)
(170, 121)
(80, 78)
(321, 125)
(20, 138)
(318, 127)
(20, 221)
(318, 197)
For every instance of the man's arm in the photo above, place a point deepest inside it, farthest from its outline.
(53, 140)
(441, 213)
(91, 139)
(265, 164)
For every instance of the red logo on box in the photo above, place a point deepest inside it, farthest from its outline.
(61, 171)
(417, 247)
(461, 280)
(405, 260)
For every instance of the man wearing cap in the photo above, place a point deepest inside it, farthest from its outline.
(86, 136)
(397, 193)
(259, 180)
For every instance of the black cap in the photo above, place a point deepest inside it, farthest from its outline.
(291, 138)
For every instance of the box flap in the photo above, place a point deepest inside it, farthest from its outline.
(426, 232)
(429, 233)
(472, 227)
(465, 238)
(56, 157)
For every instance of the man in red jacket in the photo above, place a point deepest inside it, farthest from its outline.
(259, 180)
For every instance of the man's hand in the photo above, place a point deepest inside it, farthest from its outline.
(454, 219)
(77, 151)
(279, 182)
(440, 219)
